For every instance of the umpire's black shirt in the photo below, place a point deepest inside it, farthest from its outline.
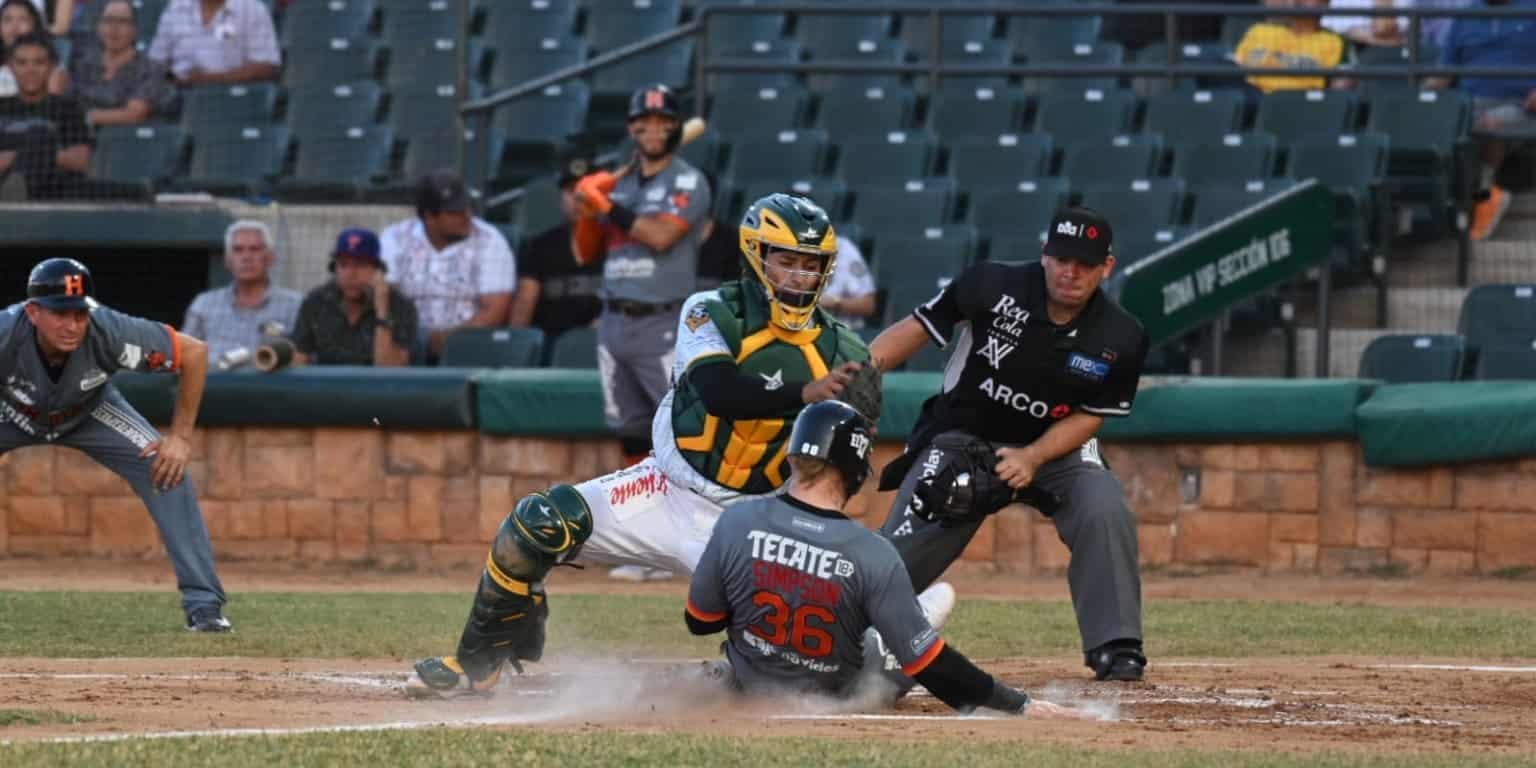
(1012, 373)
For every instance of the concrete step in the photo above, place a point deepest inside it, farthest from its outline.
(1408, 308)
(1264, 355)
(1502, 261)
(1515, 228)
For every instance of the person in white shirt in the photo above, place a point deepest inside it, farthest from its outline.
(1369, 30)
(206, 42)
(458, 269)
(851, 295)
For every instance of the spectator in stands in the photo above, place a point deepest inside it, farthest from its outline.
(113, 82)
(235, 319)
(1369, 30)
(851, 295)
(356, 318)
(1291, 42)
(44, 141)
(554, 293)
(217, 41)
(720, 249)
(1498, 104)
(61, 14)
(19, 18)
(458, 269)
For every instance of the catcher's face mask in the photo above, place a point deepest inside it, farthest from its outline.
(789, 243)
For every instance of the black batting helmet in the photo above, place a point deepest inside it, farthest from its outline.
(658, 100)
(835, 432)
(61, 284)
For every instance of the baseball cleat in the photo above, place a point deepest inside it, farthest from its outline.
(444, 677)
(208, 620)
(937, 602)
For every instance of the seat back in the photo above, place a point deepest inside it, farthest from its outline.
(574, 348)
(137, 153)
(1195, 117)
(1123, 158)
(1093, 114)
(327, 109)
(894, 157)
(1234, 157)
(1409, 358)
(1292, 115)
(494, 348)
(1497, 312)
(1002, 160)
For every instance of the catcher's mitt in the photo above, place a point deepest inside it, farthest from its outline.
(967, 488)
(863, 391)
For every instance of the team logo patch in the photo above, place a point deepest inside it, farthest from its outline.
(131, 356)
(155, 360)
(93, 380)
(994, 351)
(680, 200)
(1087, 367)
(776, 381)
(697, 318)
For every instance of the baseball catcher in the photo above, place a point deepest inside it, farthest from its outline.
(749, 356)
(795, 584)
(58, 351)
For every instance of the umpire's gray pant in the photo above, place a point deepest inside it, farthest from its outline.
(1093, 521)
(114, 434)
(634, 359)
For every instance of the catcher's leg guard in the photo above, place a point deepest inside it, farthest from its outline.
(507, 620)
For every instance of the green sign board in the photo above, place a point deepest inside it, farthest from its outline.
(1193, 281)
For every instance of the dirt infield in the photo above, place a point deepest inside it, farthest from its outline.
(1286, 704)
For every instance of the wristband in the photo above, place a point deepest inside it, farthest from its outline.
(622, 216)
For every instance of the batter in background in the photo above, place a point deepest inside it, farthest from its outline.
(645, 226)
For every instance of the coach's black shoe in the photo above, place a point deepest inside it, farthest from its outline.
(1120, 660)
(208, 619)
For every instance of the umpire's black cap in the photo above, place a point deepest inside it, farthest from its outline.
(1081, 235)
(61, 285)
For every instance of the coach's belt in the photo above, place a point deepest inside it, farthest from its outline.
(639, 308)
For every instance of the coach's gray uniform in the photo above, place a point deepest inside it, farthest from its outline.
(643, 291)
(77, 406)
(800, 587)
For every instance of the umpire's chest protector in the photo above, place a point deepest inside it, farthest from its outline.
(747, 455)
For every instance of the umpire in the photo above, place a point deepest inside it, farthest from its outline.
(1039, 356)
(58, 351)
(647, 225)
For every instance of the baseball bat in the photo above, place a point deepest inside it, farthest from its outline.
(693, 128)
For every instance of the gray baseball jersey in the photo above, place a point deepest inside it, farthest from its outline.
(799, 586)
(39, 405)
(632, 271)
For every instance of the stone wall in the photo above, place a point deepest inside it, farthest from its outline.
(436, 498)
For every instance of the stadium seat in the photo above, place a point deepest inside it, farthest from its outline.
(315, 24)
(1432, 165)
(1022, 210)
(903, 296)
(539, 209)
(574, 348)
(670, 64)
(426, 109)
(1354, 167)
(969, 56)
(622, 22)
(412, 24)
(1080, 55)
(833, 36)
(785, 157)
(1292, 115)
(935, 255)
(704, 152)
(735, 31)
(1089, 115)
(1123, 158)
(1136, 206)
(866, 113)
(982, 112)
(1002, 160)
(1235, 157)
(427, 152)
(1015, 249)
(1216, 201)
(134, 160)
(1195, 117)
(339, 165)
(896, 157)
(1498, 312)
(542, 119)
(517, 25)
(867, 54)
(511, 67)
(236, 160)
(1137, 244)
(829, 192)
(1506, 360)
(1234, 27)
(432, 60)
(1383, 55)
(956, 31)
(222, 106)
(760, 52)
(1187, 54)
(340, 60)
(905, 209)
(1409, 358)
(316, 110)
(493, 348)
(1037, 35)
(750, 112)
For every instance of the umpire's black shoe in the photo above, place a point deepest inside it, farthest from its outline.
(208, 619)
(1120, 660)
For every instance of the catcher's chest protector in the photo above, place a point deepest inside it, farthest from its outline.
(747, 455)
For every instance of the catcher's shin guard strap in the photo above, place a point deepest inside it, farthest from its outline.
(505, 624)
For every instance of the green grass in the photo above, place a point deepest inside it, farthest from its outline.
(90, 625)
(447, 747)
(9, 717)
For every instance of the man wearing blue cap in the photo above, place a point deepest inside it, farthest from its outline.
(357, 318)
(58, 351)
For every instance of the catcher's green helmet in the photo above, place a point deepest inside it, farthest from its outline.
(788, 223)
